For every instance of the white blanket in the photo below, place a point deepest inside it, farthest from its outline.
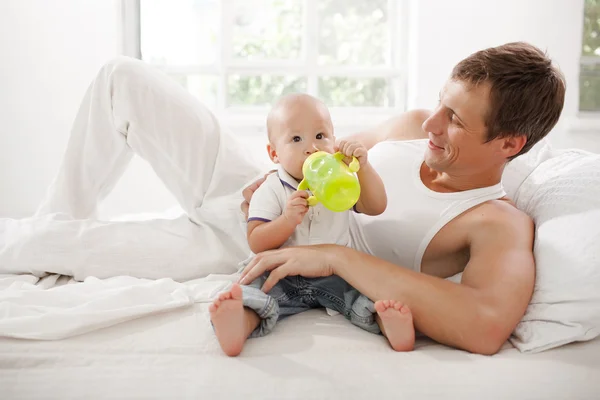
(53, 309)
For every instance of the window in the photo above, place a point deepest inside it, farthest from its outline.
(589, 76)
(238, 56)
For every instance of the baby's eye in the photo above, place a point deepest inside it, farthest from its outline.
(319, 136)
(296, 139)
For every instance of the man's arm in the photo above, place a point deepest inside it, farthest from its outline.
(406, 126)
(477, 315)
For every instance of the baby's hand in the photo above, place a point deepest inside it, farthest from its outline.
(352, 148)
(296, 207)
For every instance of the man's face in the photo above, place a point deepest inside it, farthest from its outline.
(457, 131)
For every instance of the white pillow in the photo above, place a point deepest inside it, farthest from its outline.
(519, 169)
(562, 195)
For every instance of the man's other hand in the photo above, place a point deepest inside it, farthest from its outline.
(249, 191)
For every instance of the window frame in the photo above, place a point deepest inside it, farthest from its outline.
(253, 117)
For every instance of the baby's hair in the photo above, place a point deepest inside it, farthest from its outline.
(288, 100)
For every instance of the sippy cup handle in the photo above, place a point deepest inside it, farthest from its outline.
(354, 164)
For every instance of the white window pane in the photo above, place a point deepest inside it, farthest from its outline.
(353, 32)
(204, 87)
(261, 90)
(179, 32)
(338, 91)
(267, 29)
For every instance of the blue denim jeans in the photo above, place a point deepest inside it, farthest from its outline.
(295, 294)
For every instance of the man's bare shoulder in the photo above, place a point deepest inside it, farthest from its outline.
(503, 219)
(488, 228)
(407, 126)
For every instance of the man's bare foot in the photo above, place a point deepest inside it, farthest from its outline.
(397, 324)
(227, 316)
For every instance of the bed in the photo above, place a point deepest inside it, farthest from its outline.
(311, 356)
(132, 338)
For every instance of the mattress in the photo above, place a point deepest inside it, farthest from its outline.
(173, 354)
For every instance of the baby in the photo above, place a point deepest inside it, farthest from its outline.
(299, 125)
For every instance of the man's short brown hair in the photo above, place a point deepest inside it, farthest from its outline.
(527, 91)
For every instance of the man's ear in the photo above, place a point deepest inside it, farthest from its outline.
(272, 153)
(512, 145)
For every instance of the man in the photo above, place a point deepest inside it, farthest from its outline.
(497, 104)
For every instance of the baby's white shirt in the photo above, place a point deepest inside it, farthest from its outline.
(319, 226)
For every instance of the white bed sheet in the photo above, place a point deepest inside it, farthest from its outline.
(175, 355)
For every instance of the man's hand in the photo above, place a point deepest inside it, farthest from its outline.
(306, 261)
(249, 191)
(353, 148)
(296, 207)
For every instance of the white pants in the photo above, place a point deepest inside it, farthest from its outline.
(132, 108)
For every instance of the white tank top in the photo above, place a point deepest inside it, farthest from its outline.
(415, 213)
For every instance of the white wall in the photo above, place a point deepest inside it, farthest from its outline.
(51, 50)
(449, 30)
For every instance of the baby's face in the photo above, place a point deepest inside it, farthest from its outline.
(299, 131)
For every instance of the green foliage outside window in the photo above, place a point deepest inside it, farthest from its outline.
(589, 76)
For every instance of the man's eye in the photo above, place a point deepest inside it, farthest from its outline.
(454, 120)
(319, 136)
(296, 139)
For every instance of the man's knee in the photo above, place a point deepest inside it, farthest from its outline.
(123, 66)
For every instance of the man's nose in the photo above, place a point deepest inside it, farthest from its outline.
(435, 123)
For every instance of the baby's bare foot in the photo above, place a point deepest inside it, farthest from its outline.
(397, 324)
(227, 316)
